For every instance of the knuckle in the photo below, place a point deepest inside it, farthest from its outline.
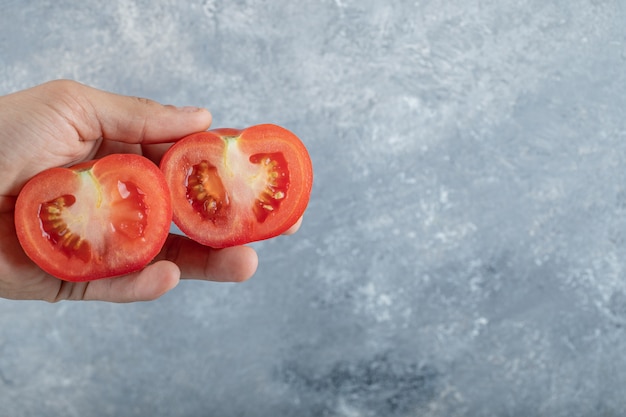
(145, 101)
(63, 87)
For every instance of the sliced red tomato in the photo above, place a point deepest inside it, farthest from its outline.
(97, 219)
(230, 187)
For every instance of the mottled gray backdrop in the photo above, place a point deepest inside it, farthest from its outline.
(464, 252)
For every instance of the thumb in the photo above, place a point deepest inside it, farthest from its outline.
(100, 114)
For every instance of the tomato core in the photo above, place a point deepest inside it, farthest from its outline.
(64, 229)
(208, 196)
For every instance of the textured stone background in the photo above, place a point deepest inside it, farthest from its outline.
(464, 249)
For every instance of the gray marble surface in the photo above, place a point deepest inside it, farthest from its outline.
(464, 250)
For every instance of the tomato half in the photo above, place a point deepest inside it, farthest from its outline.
(231, 187)
(98, 219)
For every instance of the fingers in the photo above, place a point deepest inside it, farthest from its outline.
(96, 113)
(235, 264)
(293, 229)
(146, 285)
(149, 284)
(137, 120)
(155, 152)
(180, 258)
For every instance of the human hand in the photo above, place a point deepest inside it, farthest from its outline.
(62, 123)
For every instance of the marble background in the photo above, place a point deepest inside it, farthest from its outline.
(464, 252)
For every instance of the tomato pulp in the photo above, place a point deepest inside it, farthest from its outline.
(230, 187)
(94, 220)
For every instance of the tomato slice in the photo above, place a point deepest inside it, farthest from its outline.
(230, 187)
(98, 219)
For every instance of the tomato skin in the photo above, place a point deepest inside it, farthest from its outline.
(235, 186)
(97, 219)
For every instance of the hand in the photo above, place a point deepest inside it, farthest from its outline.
(62, 123)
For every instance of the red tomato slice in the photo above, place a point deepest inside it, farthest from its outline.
(95, 220)
(231, 187)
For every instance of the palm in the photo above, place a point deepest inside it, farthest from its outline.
(21, 278)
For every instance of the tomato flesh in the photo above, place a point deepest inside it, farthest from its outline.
(100, 219)
(129, 215)
(231, 187)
